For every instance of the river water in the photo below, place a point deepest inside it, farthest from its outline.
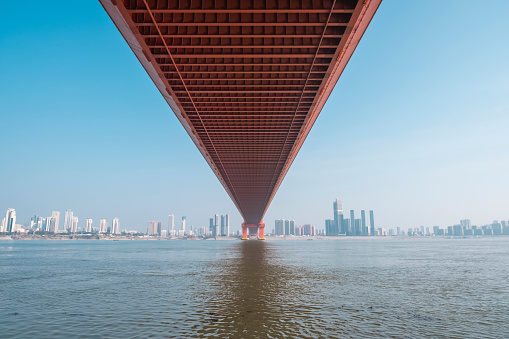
(362, 288)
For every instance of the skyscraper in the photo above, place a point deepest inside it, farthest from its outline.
(74, 225)
(338, 213)
(68, 220)
(88, 226)
(222, 225)
(371, 223)
(227, 225)
(351, 227)
(279, 228)
(152, 228)
(159, 228)
(184, 224)
(171, 223)
(364, 230)
(55, 222)
(358, 226)
(292, 227)
(287, 227)
(115, 226)
(103, 226)
(10, 221)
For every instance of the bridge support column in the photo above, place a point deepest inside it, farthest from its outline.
(253, 229)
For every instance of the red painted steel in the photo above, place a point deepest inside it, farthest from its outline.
(246, 78)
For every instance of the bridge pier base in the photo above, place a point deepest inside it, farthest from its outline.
(253, 229)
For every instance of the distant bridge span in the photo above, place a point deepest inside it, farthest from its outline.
(246, 78)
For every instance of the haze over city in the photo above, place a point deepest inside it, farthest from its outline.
(416, 128)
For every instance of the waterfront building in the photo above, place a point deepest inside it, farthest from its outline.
(152, 228)
(465, 224)
(180, 233)
(337, 207)
(398, 231)
(279, 227)
(308, 230)
(171, 223)
(351, 228)
(115, 226)
(363, 223)
(204, 231)
(372, 222)
(329, 227)
(227, 225)
(9, 223)
(55, 222)
(287, 227)
(103, 226)
(68, 220)
(159, 229)
(74, 225)
(358, 227)
(292, 227)
(183, 225)
(457, 230)
(88, 225)
(223, 226)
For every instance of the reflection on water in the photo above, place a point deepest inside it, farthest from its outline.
(441, 288)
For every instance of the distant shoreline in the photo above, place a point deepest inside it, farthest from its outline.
(268, 238)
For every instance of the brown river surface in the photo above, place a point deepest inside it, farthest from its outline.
(348, 288)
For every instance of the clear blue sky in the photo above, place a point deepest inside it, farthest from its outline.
(417, 128)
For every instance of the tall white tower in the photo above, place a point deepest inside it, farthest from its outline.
(171, 222)
(103, 226)
(74, 225)
(115, 226)
(184, 224)
(55, 222)
(88, 227)
(68, 220)
(227, 220)
(10, 221)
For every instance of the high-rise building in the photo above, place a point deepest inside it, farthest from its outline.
(88, 225)
(338, 216)
(292, 227)
(351, 229)
(183, 225)
(363, 223)
(55, 222)
(44, 224)
(74, 225)
(159, 229)
(68, 220)
(103, 226)
(309, 230)
(358, 226)
(222, 226)
(287, 227)
(279, 227)
(465, 224)
(9, 224)
(115, 226)
(227, 225)
(152, 228)
(371, 223)
(171, 223)
(329, 227)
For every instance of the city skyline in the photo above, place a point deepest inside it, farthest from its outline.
(219, 226)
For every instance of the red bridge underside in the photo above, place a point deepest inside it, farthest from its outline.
(246, 78)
